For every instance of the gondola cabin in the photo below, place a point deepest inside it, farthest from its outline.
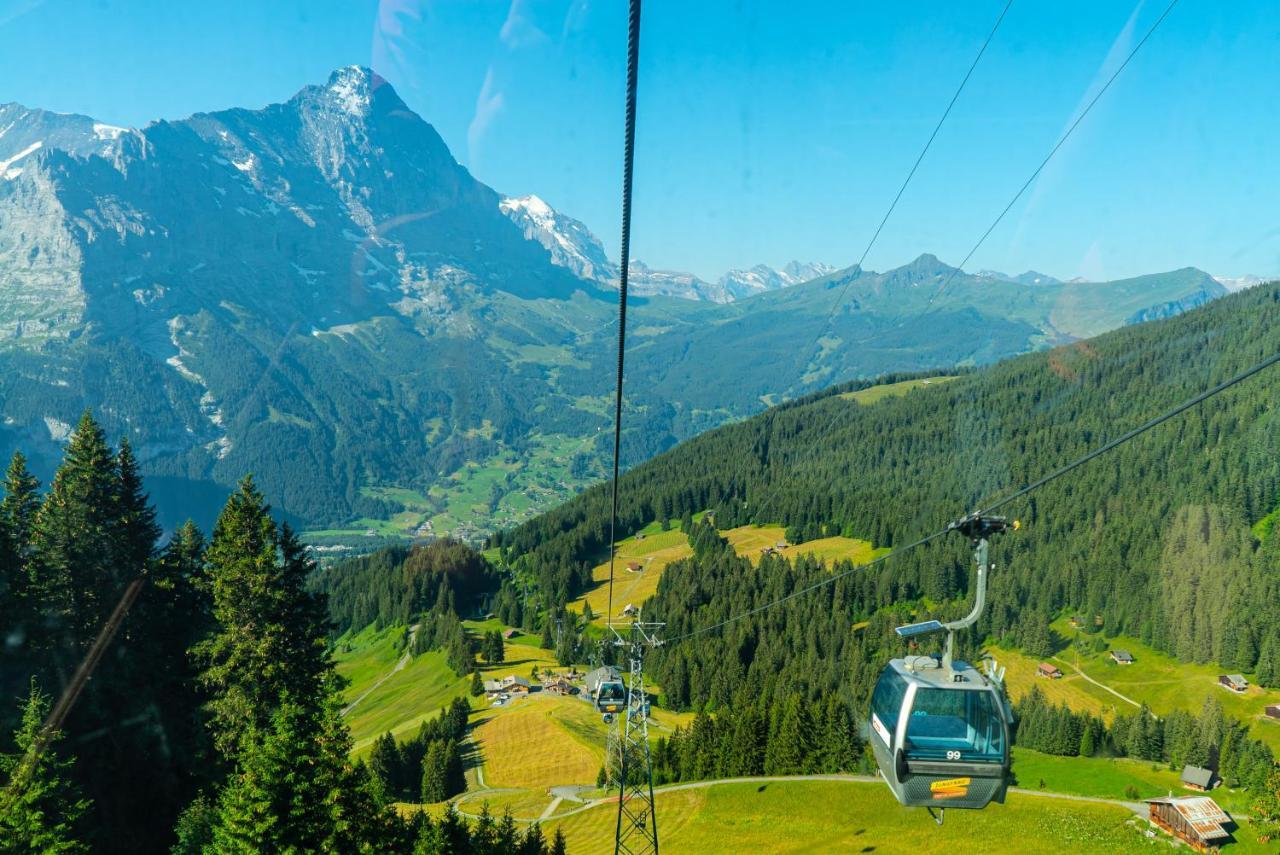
(608, 692)
(940, 736)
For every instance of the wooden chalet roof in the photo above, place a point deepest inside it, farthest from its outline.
(1201, 812)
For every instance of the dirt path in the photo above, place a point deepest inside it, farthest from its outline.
(1136, 808)
(1103, 686)
(551, 808)
(400, 666)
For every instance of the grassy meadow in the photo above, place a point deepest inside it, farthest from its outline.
(847, 816)
(654, 552)
(748, 540)
(872, 394)
(539, 743)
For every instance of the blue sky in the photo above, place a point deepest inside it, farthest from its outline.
(767, 131)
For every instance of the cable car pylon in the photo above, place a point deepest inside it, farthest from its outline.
(637, 828)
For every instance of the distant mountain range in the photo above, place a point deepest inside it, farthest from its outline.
(318, 293)
(572, 245)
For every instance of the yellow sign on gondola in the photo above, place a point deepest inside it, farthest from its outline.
(950, 788)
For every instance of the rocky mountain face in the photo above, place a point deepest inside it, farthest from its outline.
(318, 293)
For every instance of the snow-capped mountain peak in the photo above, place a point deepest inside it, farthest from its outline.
(351, 88)
(570, 243)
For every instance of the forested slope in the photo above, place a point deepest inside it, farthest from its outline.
(1155, 537)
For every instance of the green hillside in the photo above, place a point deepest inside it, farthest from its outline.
(1122, 538)
(1156, 540)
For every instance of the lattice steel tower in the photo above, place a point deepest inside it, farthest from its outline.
(637, 832)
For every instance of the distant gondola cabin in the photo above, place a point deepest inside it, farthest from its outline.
(1051, 672)
(1122, 657)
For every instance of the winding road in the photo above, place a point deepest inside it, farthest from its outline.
(400, 666)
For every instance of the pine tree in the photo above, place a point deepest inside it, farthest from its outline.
(39, 807)
(271, 639)
(282, 795)
(194, 828)
(296, 790)
(384, 766)
(791, 747)
(429, 838)
(508, 834)
(484, 834)
(136, 529)
(435, 776)
(74, 541)
(455, 838)
(21, 500)
(455, 776)
(477, 684)
(1088, 741)
(17, 516)
(1268, 670)
(558, 844)
(567, 648)
(533, 842)
(20, 615)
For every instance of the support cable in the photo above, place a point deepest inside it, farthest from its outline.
(1000, 217)
(628, 157)
(919, 159)
(1061, 141)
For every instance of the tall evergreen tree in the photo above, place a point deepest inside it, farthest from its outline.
(294, 789)
(791, 746)
(435, 775)
(384, 765)
(39, 806)
(271, 638)
(20, 614)
(75, 542)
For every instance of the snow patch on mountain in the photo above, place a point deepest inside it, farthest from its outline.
(350, 90)
(59, 431)
(16, 171)
(108, 132)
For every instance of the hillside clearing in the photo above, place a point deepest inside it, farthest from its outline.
(1072, 689)
(538, 744)
(872, 394)
(1165, 684)
(653, 553)
(749, 540)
